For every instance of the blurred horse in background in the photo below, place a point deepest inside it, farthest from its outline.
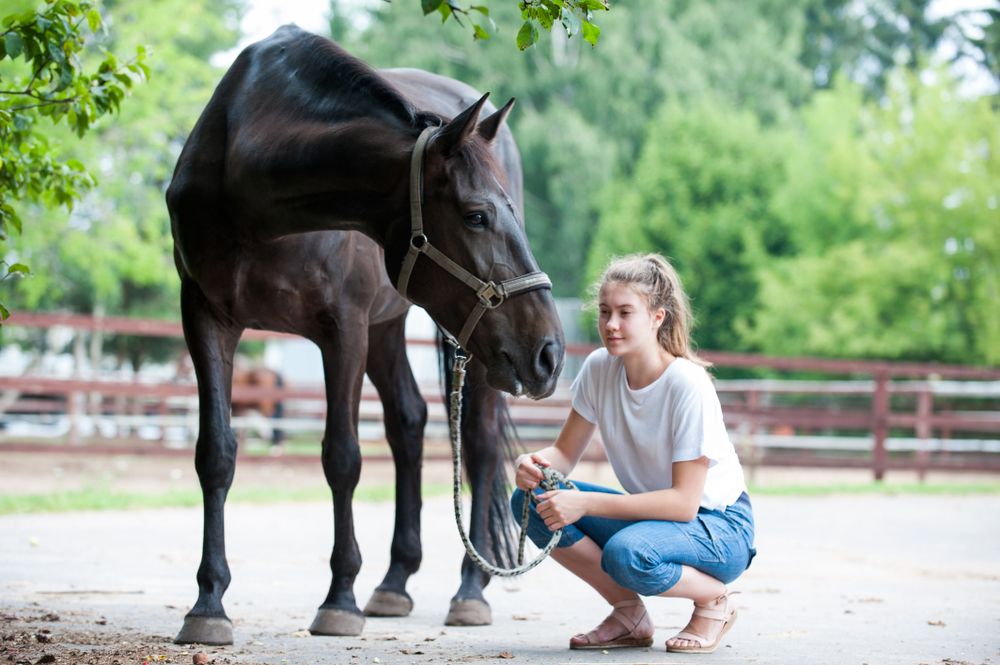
(269, 409)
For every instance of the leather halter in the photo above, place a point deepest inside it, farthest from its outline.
(490, 294)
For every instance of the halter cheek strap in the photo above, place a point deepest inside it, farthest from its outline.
(490, 295)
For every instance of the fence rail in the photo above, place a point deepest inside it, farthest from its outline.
(878, 415)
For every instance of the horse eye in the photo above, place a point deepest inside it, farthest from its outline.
(475, 219)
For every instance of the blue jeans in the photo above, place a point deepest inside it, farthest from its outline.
(647, 556)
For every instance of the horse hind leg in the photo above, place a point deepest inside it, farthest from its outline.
(211, 345)
(405, 415)
(339, 613)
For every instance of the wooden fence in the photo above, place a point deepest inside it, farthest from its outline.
(877, 415)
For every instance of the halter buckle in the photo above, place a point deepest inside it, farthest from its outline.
(491, 295)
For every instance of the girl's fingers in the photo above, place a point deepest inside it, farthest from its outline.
(538, 459)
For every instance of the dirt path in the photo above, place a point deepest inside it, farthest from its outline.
(875, 579)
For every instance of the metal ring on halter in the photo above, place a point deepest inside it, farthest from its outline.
(418, 241)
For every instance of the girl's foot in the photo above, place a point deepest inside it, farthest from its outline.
(709, 623)
(628, 625)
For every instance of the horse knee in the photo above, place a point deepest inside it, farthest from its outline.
(413, 419)
(215, 461)
(341, 463)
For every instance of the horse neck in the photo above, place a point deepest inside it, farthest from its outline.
(352, 175)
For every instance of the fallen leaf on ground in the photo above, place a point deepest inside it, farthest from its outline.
(936, 622)
(505, 655)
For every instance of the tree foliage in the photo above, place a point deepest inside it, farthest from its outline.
(44, 81)
(700, 195)
(575, 17)
(894, 209)
(114, 253)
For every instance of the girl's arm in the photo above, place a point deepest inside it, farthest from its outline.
(562, 455)
(679, 503)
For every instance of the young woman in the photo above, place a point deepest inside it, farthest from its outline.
(685, 526)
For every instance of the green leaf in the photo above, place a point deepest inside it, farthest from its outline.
(94, 20)
(4, 313)
(479, 32)
(485, 11)
(591, 32)
(19, 268)
(430, 5)
(13, 44)
(527, 35)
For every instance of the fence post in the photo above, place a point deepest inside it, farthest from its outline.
(925, 406)
(880, 423)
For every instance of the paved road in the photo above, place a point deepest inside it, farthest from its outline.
(839, 580)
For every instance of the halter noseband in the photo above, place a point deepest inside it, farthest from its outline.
(490, 294)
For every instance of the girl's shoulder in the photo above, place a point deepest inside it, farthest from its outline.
(688, 374)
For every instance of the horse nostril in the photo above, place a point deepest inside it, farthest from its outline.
(547, 358)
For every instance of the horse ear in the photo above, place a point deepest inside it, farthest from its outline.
(460, 128)
(488, 128)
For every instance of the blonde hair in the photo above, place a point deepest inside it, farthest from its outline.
(653, 278)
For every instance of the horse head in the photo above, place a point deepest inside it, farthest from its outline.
(467, 259)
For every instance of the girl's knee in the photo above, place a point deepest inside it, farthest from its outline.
(634, 564)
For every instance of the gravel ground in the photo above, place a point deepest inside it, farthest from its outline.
(839, 579)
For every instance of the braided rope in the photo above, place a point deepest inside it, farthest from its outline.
(551, 480)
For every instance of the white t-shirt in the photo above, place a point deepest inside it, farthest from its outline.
(677, 418)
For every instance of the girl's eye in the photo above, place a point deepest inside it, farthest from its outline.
(476, 219)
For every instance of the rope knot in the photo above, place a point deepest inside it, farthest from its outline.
(552, 479)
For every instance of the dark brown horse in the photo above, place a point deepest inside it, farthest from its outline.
(301, 139)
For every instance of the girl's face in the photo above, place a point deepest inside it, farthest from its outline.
(625, 322)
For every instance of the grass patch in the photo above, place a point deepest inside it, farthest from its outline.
(878, 488)
(103, 498)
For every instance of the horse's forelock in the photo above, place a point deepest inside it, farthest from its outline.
(475, 154)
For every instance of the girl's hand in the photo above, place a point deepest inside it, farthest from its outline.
(528, 475)
(560, 508)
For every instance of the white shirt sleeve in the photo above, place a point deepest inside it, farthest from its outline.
(584, 391)
(692, 422)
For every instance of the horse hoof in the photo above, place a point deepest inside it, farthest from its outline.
(470, 612)
(214, 631)
(337, 622)
(389, 604)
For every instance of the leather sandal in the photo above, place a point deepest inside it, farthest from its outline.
(629, 639)
(727, 615)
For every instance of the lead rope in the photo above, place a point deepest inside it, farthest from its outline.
(551, 481)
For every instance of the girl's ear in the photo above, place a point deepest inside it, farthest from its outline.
(658, 316)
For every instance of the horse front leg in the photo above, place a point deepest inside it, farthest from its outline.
(343, 367)
(405, 415)
(482, 451)
(211, 345)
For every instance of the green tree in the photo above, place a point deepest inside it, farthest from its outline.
(44, 81)
(902, 262)
(865, 40)
(575, 17)
(583, 113)
(114, 254)
(700, 194)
